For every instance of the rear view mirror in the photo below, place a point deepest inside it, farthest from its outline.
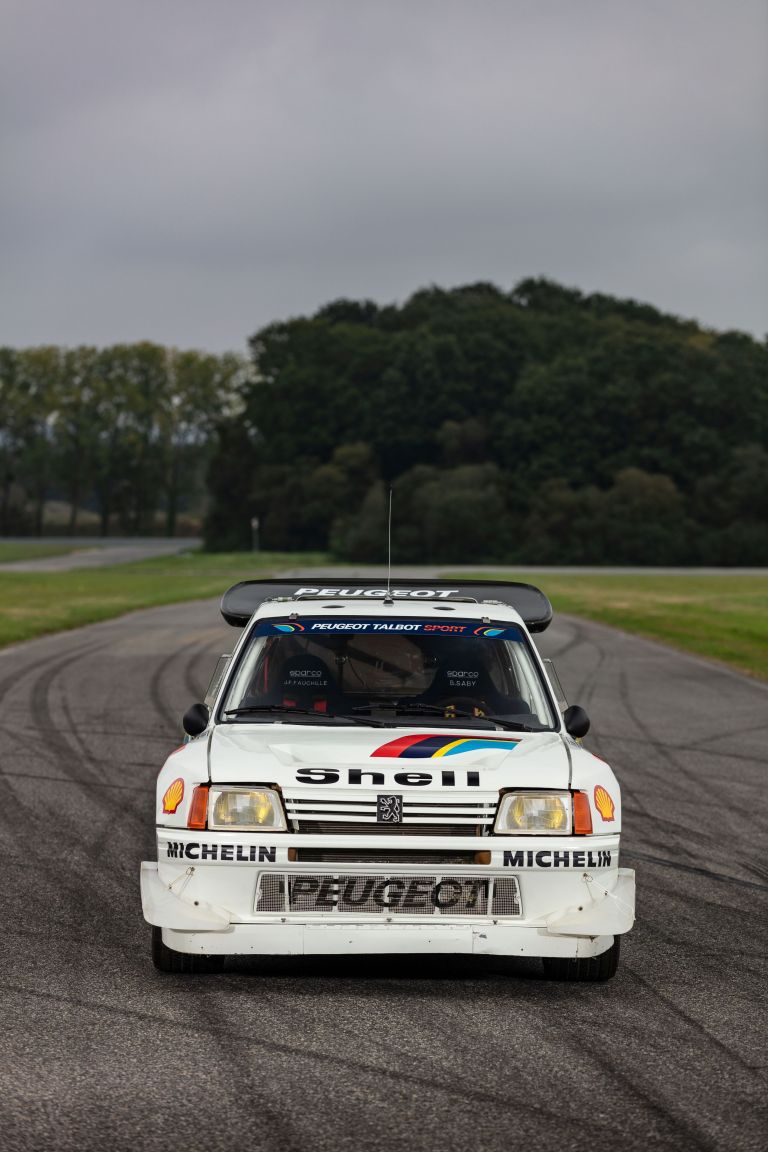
(195, 720)
(576, 721)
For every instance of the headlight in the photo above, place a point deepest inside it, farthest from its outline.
(534, 814)
(241, 809)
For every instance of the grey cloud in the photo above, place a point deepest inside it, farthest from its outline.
(188, 171)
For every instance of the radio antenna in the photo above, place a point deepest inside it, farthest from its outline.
(389, 551)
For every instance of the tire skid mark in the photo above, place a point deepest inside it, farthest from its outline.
(658, 849)
(626, 787)
(76, 739)
(18, 747)
(593, 682)
(759, 869)
(688, 827)
(685, 906)
(74, 780)
(103, 842)
(702, 901)
(737, 958)
(83, 768)
(165, 711)
(17, 815)
(64, 934)
(663, 751)
(70, 844)
(694, 833)
(667, 827)
(67, 744)
(67, 750)
(568, 643)
(585, 690)
(647, 768)
(408, 1078)
(622, 737)
(691, 1022)
(196, 680)
(235, 1045)
(685, 1132)
(695, 869)
(114, 806)
(96, 760)
(19, 677)
(40, 864)
(757, 759)
(20, 674)
(720, 735)
(16, 742)
(610, 1076)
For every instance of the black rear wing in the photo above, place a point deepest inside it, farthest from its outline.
(240, 601)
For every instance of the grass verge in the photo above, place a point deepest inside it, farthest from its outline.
(720, 617)
(11, 551)
(36, 603)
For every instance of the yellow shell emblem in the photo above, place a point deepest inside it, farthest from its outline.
(603, 803)
(174, 794)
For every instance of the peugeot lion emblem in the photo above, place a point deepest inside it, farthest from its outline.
(389, 809)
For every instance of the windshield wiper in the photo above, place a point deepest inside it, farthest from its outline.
(284, 709)
(514, 725)
(417, 709)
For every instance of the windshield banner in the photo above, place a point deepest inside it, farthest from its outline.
(375, 627)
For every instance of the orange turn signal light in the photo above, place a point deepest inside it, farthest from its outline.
(582, 814)
(198, 809)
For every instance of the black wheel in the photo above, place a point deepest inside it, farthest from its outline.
(601, 967)
(165, 959)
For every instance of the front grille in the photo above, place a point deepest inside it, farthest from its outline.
(327, 815)
(371, 856)
(371, 828)
(435, 894)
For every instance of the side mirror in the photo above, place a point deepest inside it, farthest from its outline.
(576, 721)
(195, 719)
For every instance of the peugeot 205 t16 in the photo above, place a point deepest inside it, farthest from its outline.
(387, 770)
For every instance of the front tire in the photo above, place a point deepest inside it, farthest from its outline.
(165, 959)
(586, 968)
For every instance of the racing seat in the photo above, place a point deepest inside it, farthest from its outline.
(305, 682)
(461, 678)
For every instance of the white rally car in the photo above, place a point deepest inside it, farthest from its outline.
(387, 770)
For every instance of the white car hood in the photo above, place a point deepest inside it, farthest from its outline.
(422, 758)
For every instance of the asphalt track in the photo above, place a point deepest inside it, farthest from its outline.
(99, 1051)
(100, 552)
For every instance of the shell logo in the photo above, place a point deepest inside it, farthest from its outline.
(174, 794)
(604, 803)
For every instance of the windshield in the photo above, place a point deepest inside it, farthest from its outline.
(358, 667)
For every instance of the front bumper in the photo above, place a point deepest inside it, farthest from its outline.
(203, 893)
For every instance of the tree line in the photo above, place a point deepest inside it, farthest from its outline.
(125, 432)
(537, 425)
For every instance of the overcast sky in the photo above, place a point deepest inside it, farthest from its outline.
(188, 170)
